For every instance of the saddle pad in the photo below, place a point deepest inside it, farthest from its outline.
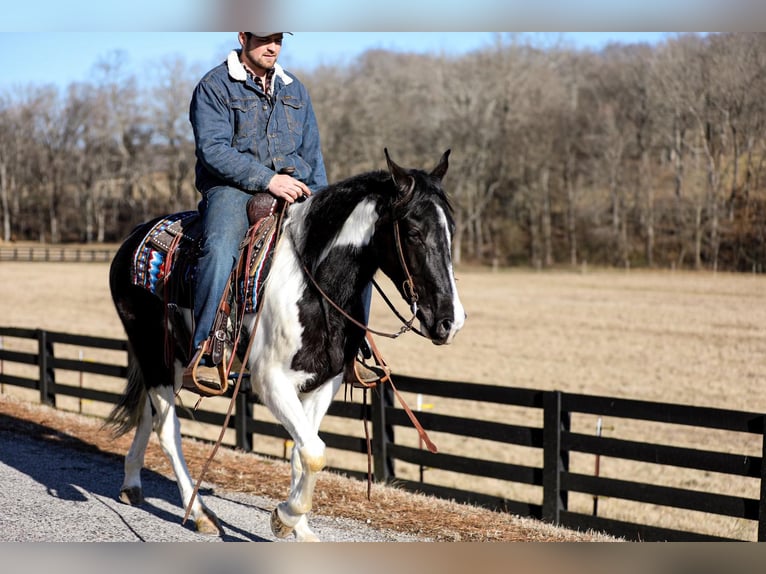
(149, 258)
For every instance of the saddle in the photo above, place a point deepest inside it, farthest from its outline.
(165, 263)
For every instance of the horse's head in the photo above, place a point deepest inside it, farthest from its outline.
(414, 243)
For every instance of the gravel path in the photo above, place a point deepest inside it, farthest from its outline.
(60, 495)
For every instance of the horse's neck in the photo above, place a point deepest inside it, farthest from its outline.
(342, 264)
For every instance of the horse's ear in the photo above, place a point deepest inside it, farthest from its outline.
(441, 169)
(405, 183)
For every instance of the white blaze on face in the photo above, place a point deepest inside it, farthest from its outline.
(458, 311)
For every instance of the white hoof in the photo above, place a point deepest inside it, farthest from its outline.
(303, 533)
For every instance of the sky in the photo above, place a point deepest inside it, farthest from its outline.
(62, 58)
(59, 41)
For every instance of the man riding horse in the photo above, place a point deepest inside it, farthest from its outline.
(255, 133)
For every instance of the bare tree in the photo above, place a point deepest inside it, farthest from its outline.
(648, 154)
(10, 145)
(125, 134)
(169, 115)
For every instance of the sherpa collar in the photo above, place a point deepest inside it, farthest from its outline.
(237, 70)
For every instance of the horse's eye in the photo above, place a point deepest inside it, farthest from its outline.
(414, 233)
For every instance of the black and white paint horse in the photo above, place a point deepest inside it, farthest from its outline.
(341, 237)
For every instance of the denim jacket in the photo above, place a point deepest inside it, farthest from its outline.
(243, 136)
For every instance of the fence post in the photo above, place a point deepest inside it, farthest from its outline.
(382, 433)
(243, 413)
(47, 373)
(555, 460)
(762, 503)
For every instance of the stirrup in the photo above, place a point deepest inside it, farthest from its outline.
(201, 382)
(363, 376)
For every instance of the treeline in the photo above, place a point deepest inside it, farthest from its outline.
(635, 155)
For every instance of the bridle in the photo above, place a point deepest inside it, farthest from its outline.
(408, 288)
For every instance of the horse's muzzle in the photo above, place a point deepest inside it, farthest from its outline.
(445, 329)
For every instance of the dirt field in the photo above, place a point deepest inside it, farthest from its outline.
(688, 338)
(693, 338)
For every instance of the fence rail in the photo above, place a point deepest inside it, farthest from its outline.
(56, 254)
(555, 440)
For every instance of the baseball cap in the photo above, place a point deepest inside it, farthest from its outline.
(267, 34)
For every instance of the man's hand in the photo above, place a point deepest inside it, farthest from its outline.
(288, 188)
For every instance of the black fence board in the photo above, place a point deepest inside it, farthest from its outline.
(80, 366)
(19, 332)
(722, 504)
(19, 357)
(88, 394)
(88, 341)
(735, 464)
(205, 417)
(465, 465)
(488, 430)
(23, 382)
(55, 255)
(267, 429)
(471, 391)
(344, 442)
(704, 417)
(349, 410)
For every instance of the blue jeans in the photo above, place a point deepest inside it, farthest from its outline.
(224, 224)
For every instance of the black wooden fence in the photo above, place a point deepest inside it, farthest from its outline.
(56, 254)
(554, 439)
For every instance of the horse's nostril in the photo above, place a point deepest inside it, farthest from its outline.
(445, 327)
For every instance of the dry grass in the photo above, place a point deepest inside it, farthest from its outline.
(388, 508)
(677, 337)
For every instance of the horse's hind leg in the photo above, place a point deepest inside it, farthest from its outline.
(169, 432)
(131, 491)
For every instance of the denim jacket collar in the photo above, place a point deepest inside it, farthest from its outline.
(237, 70)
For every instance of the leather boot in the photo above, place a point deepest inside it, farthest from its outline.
(202, 379)
(361, 376)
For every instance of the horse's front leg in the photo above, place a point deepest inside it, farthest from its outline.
(307, 460)
(169, 433)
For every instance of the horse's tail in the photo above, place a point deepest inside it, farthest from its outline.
(126, 415)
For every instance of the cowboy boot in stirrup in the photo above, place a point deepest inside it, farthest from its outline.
(202, 379)
(362, 376)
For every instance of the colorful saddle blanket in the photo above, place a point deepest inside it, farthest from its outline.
(165, 261)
